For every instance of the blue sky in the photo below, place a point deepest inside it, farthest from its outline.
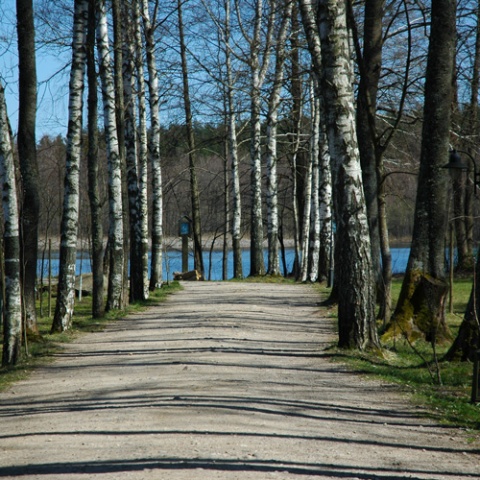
(52, 79)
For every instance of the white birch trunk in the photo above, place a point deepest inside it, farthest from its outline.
(12, 315)
(154, 152)
(325, 210)
(258, 71)
(115, 283)
(272, 121)
(307, 204)
(142, 153)
(233, 151)
(356, 295)
(69, 229)
(314, 255)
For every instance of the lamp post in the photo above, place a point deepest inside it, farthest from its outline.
(455, 164)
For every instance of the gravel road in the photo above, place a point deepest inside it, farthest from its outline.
(223, 381)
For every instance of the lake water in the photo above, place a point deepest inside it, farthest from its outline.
(172, 262)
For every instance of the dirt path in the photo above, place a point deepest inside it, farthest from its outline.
(224, 381)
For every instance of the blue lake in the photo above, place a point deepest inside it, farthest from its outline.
(172, 262)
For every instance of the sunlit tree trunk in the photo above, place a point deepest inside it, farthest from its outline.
(93, 172)
(325, 194)
(142, 154)
(118, 42)
(116, 272)
(12, 314)
(271, 150)
(258, 64)
(356, 298)
(27, 145)
(315, 224)
(156, 274)
(233, 153)
(69, 229)
(371, 63)
(307, 196)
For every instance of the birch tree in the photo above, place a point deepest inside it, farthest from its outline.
(12, 314)
(315, 223)
(356, 296)
(325, 209)
(154, 149)
(136, 151)
(116, 270)
(307, 192)
(258, 62)
(271, 149)
(28, 158)
(233, 152)
(62, 319)
(142, 155)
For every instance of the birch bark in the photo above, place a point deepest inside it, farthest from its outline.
(12, 314)
(142, 155)
(271, 149)
(258, 63)
(154, 152)
(62, 319)
(116, 271)
(356, 302)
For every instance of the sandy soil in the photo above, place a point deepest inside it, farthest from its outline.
(224, 381)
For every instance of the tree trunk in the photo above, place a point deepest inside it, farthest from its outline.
(62, 319)
(258, 70)
(325, 268)
(356, 299)
(296, 92)
(271, 150)
(116, 292)
(427, 250)
(314, 253)
(156, 273)
(371, 64)
(93, 169)
(307, 200)
(194, 193)
(142, 155)
(130, 95)
(118, 42)
(233, 153)
(28, 158)
(12, 309)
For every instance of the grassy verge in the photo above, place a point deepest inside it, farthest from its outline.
(38, 350)
(444, 387)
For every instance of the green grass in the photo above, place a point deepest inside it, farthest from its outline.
(38, 350)
(444, 387)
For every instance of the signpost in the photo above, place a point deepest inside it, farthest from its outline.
(184, 232)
